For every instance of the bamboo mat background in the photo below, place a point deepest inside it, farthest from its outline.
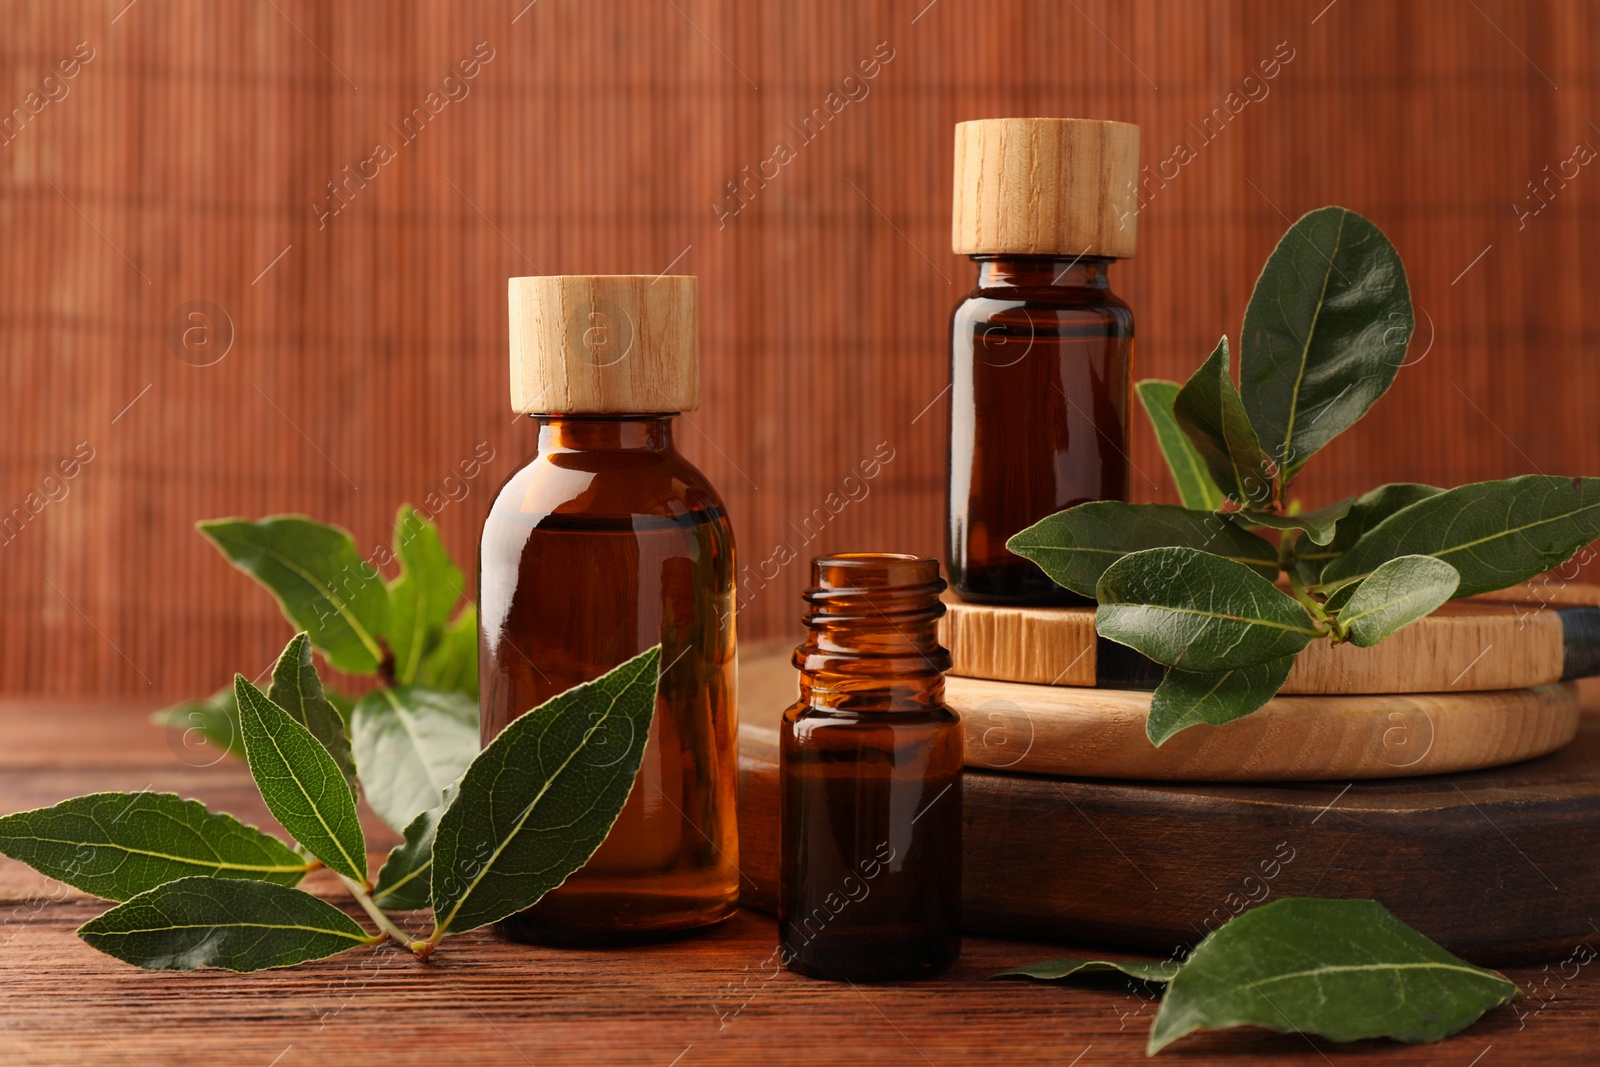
(188, 160)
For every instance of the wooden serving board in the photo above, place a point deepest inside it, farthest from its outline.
(1501, 866)
(1100, 733)
(1467, 645)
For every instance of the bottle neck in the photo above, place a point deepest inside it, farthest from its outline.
(1043, 272)
(605, 433)
(872, 642)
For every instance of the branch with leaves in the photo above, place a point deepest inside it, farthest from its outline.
(486, 833)
(1227, 589)
(201, 889)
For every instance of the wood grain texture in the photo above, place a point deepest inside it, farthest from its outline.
(593, 344)
(191, 160)
(1100, 733)
(1046, 186)
(714, 999)
(1501, 866)
(1465, 646)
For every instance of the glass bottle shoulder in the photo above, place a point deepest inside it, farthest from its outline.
(985, 305)
(566, 488)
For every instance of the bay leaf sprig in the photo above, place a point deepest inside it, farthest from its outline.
(1227, 589)
(201, 889)
(1340, 969)
(417, 631)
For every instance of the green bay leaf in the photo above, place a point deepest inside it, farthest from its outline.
(1196, 489)
(1074, 547)
(1394, 596)
(1342, 969)
(1210, 412)
(1325, 332)
(297, 689)
(1366, 511)
(319, 579)
(1056, 970)
(117, 845)
(416, 742)
(1187, 698)
(1197, 611)
(422, 598)
(210, 922)
(302, 785)
(406, 879)
(541, 797)
(1318, 525)
(452, 664)
(1495, 534)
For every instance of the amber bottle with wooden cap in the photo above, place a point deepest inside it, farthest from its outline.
(607, 542)
(1041, 349)
(870, 769)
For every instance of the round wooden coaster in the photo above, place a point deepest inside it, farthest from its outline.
(1100, 733)
(1466, 646)
(1501, 866)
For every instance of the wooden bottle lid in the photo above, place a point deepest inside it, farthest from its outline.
(1046, 187)
(597, 343)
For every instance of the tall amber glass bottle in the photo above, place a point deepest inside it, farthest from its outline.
(607, 542)
(870, 766)
(1041, 350)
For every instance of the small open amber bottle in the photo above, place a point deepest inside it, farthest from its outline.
(607, 542)
(1041, 350)
(870, 768)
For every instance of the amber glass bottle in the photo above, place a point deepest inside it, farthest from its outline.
(605, 543)
(1041, 350)
(870, 800)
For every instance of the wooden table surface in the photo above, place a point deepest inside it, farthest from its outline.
(715, 999)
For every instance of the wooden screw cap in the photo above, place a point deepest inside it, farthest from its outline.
(1046, 187)
(592, 344)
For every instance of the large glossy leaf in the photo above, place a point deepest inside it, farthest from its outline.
(209, 922)
(1209, 410)
(117, 845)
(323, 585)
(1325, 332)
(1074, 547)
(413, 743)
(1366, 511)
(297, 689)
(1197, 611)
(453, 663)
(1495, 534)
(541, 797)
(1057, 970)
(1196, 489)
(212, 722)
(1185, 698)
(1344, 969)
(1318, 525)
(423, 596)
(302, 785)
(1394, 596)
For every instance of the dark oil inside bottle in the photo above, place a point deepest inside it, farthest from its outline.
(1041, 363)
(606, 543)
(883, 893)
(871, 798)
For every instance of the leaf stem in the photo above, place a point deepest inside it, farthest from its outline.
(1310, 603)
(385, 924)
